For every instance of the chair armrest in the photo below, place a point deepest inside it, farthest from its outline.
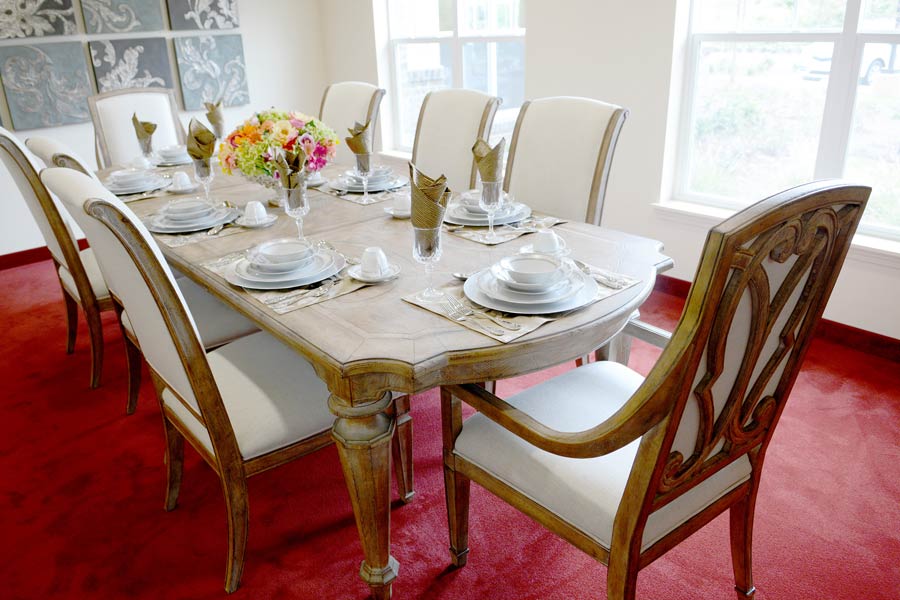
(647, 333)
(630, 422)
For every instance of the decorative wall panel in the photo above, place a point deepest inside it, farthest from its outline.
(202, 14)
(121, 16)
(36, 18)
(130, 63)
(210, 68)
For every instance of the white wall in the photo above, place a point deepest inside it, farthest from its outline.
(283, 49)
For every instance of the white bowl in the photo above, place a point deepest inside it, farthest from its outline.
(173, 152)
(284, 250)
(532, 268)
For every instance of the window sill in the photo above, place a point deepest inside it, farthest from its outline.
(865, 248)
(401, 154)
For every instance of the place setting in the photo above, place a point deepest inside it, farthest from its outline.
(135, 183)
(474, 210)
(356, 184)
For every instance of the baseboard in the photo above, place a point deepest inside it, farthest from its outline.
(859, 339)
(33, 255)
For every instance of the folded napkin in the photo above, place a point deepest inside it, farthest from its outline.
(487, 159)
(361, 138)
(216, 118)
(201, 142)
(290, 165)
(429, 198)
(144, 131)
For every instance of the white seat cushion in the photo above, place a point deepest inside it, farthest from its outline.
(94, 276)
(216, 323)
(272, 396)
(583, 492)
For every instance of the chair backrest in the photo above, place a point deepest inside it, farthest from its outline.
(560, 155)
(136, 269)
(721, 383)
(113, 131)
(346, 103)
(57, 154)
(450, 122)
(51, 218)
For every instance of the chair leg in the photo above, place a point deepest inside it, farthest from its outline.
(617, 349)
(95, 329)
(236, 503)
(741, 525)
(71, 321)
(456, 486)
(174, 463)
(402, 446)
(134, 360)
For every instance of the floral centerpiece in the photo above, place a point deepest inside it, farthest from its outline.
(250, 148)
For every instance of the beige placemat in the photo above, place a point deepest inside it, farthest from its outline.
(504, 233)
(374, 198)
(177, 240)
(285, 301)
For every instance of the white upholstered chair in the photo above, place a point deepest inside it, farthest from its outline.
(626, 467)
(217, 323)
(111, 112)
(569, 181)
(450, 121)
(346, 103)
(246, 407)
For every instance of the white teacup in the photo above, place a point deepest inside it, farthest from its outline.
(181, 181)
(374, 262)
(255, 212)
(402, 203)
(547, 242)
(141, 162)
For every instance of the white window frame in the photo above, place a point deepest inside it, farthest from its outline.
(837, 116)
(456, 40)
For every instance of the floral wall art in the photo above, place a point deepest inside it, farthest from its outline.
(36, 18)
(203, 14)
(121, 16)
(131, 63)
(212, 67)
(45, 84)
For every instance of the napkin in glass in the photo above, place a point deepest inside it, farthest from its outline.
(361, 142)
(290, 166)
(429, 198)
(216, 118)
(488, 160)
(144, 131)
(201, 142)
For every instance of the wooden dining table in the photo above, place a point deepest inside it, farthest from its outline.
(370, 343)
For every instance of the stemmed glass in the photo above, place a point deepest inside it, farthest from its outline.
(491, 201)
(204, 172)
(364, 170)
(296, 202)
(147, 148)
(427, 250)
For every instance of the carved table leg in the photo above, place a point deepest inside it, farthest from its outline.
(363, 434)
(403, 449)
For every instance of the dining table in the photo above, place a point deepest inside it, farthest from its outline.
(371, 347)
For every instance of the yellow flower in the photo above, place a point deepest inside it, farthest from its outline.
(282, 131)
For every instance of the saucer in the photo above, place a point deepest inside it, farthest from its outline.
(563, 250)
(397, 213)
(356, 273)
(267, 222)
(187, 190)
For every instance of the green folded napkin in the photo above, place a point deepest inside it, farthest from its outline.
(488, 160)
(201, 142)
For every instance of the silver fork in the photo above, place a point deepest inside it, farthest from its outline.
(469, 311)
(461, 315)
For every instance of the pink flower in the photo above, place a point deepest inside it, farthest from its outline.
(308, 144)
(297, 123)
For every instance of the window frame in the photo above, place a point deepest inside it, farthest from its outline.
(456, 41)
(849, 44)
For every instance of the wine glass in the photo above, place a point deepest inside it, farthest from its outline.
(364, 170)
(147, 148)
(491, 201)
(295, 201)
(427, 250)
(204, 172)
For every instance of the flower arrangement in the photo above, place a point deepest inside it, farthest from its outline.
(250, 148)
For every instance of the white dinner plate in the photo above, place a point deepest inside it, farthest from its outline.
(160, 224)
(267, 222)
(356, 273)
(320, 261)
(458, 215)
(557, 292)
(585, 295)
(151, 183)
(231, 276)
(379, 172)
(343, 185)
(174, 163)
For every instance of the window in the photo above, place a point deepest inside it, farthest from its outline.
(779, 92)
(436, 44)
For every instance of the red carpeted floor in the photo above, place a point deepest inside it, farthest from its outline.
(82, 493)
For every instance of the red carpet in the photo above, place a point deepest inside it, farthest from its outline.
(82, 494)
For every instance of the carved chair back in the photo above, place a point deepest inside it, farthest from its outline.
(572, 183)
(134, 266)
(450, 121)
(348, 102)
(722, 382)
(57, 154)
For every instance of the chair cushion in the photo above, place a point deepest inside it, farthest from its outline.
(94, 276)
(583, 492)
(216, 323)
(272, 395)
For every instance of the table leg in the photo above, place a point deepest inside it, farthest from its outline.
(363, 434)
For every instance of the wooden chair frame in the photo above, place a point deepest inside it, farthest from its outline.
(484, 128)
(101, 147)
(816, 222)
(225, 459)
